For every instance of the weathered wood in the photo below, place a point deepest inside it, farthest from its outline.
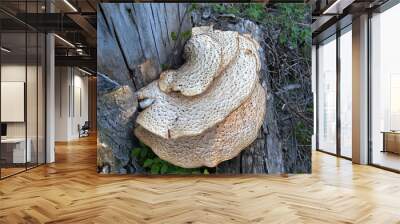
(134, 42)
(270, 152)
(116, 108)
(265, 154)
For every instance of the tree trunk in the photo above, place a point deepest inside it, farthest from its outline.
(134, 42)
(265, 154)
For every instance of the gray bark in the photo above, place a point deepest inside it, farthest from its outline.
(134, 41)
(272, 151)
(265, 154)
(115, 122)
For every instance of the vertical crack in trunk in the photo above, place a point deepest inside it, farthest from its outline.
(137, 30)
(105, 19)
(154, 38)
(166, 24)
(131, 72)
(159, 25)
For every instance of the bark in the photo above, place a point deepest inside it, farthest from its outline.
(265, 154)
(134, 42)
(116, 108)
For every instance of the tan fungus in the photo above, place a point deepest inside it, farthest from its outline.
(209, 109)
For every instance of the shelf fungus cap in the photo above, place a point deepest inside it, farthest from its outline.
(207, 54)
(220, 143)
(173, 115)
(210, 108)
(203, 63)
(201, 30)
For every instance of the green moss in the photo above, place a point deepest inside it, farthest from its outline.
(154, 165)
(174, 36)
(255, 11)
(302, 133)
(290, 18)
(165, 67)
(186, 34)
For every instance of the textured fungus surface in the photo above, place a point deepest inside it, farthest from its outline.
(220, 143)
(203, 64)
(207, 55)
(210, 108)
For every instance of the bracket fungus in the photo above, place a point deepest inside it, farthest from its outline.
(209, 109)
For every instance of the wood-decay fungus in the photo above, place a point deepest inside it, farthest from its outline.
(209, 109)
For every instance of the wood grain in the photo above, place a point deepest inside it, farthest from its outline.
(70, 191)
(135, 41)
